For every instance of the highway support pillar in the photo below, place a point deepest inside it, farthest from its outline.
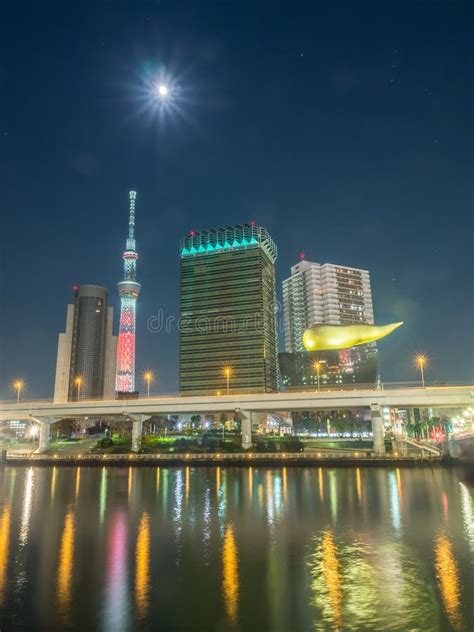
(137, 431)
(377, 428)
(44, 426)
(246, 428)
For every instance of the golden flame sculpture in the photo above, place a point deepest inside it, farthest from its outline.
(325, 337)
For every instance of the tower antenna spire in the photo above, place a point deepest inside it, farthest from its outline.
(131, 221)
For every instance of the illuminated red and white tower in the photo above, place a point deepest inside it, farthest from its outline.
(129, 290)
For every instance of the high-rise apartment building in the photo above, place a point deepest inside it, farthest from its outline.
(332, 294)
(324, 293)
(228, 311)
(85, 367)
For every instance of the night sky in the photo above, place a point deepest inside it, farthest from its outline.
(344, 128)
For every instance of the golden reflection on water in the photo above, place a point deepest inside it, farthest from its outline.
(250, 474)
(66, 561)
(4, 549)
(230, 583)
(142, 572)
(218, 478)
(399, 485)
(158, 480)
(359, 484)
(186, 483)
(321, 483)
(285, 484)
(78, 481)
(53, 483)
(448, 580)
(332, 576)
(130, 474)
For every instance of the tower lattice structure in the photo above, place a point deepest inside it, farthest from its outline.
(129, 290)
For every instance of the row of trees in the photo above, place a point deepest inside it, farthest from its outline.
(336, 421)
(427, 428)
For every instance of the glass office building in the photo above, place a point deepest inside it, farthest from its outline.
(228, 326)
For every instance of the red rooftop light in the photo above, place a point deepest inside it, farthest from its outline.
(301, 256)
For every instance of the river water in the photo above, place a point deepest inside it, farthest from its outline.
(280, 549)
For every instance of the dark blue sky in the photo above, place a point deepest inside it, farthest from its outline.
(345, 128)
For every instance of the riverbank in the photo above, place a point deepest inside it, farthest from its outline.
(327, 459)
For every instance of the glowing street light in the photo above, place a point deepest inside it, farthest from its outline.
(228, 373)
(421, 361)
(78, 381)
(148, 378)
(317, 367)
(18, 386)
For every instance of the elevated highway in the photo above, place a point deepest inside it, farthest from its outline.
(138, 410)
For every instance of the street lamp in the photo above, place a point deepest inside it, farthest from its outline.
(18, 385)
(228, 373)
(317, 366)
(421, 361)
(78, 381)
(148, 377)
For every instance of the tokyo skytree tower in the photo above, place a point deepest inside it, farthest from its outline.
(129, 290)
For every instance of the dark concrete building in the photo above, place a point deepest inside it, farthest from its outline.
(86, 351)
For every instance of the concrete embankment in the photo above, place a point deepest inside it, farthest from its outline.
(319, 459)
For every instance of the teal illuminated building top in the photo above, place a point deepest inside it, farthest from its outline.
(232, 237)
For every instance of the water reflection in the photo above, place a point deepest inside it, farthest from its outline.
(360, 587)
(394, 501)
(321, 484)
(103, 495)
(142, 562)
(358, 484)
(333, 495)
(467, 511)
(186, 483)
(78, 481)
(27, 505)
(129, 482)
(278, 549)
(53, 484)
(230, 581)
(65, 567)
(116, 610)
(4, 549)
(448, 580)
(332, 576)
(178, 511)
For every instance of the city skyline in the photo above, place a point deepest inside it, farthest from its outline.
(342, 169)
